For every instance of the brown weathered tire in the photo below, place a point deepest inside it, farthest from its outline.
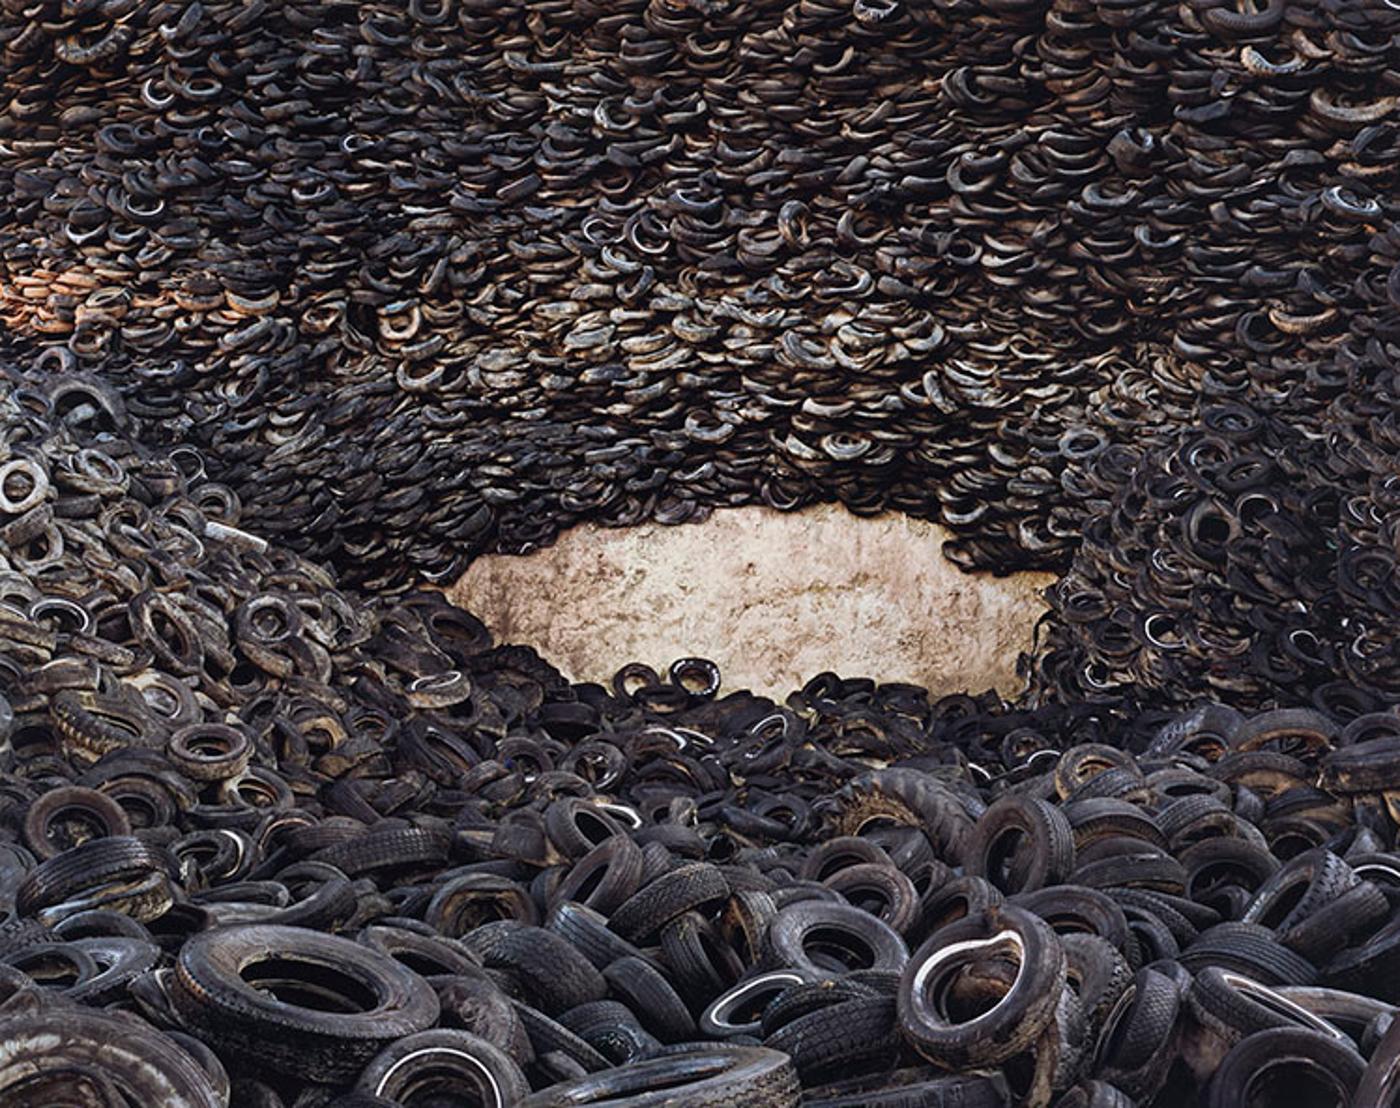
(1010, 1026)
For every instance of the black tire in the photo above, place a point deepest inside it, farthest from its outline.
(98, 862)
(1308, 882)
(477, 1004)
(54, 821)
(49, 1052)
(1131, 1050)
(1357, 913)
(911, 799)
(707, 1076)
(379, 1000)
(1249, 950)
(739, 1009)
(588, 932)
(577, 826)
(604, 877)
(881, 890)
(1380, 1083)
(1020, 844)
(680, 890)
(701, 964)
(611, 1028)
(1097, 973)
(848, 1038)
(550, 1037)
(553, 975)
(820, 939)
(1370, 969)
(1075, 908)
(444, 1064)
(953, 900)
(1353, 1013)
(911, 1088)
(1284, 1067)
(1233, 1006)
(644, 989)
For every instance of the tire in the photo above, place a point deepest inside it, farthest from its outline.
(611, 1029)
(913, 1088)
(380, 1000)
(695, 1076)
(587, 932)
(849, 1037)
(1097, 973)
(1308, 882)
(820, 939)
(1251, 951)
(1351, 1012)
(477, 1004)
(1380, 1083)
(1076, 908)
(1020, 845)
(550, 1037)
(1357, 913)
(739, 1009)
(1233, 1007)
(1281, 1067)
(1225, 863)
(880, 890)
(49, 1052)
(577, 826)
(102, 818)
(643, 988)
(604, 877)
(1131, 1050)
(701, 964)
(91, 866)
(1371, 969)
(653, 906)
(1013, 1024)
(953, 900)
(911, 799)
(553, 975)
(444, 1064)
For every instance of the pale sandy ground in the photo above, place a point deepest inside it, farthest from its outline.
(774, 598)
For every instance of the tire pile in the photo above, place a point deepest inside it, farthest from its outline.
(305, 304)
(563, 260)
(263, 842)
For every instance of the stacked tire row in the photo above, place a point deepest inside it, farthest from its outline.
(262, 846)
(1246, 561)
(561, 260)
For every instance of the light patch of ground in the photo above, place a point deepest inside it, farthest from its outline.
(774, 598)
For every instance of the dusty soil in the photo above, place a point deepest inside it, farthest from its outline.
(774, 598)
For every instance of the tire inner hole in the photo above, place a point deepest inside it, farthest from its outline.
(836, 950)
(1294, 1085)
(69, 827)
(1008, 860)
(308, 985)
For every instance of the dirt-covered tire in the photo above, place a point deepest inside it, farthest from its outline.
(1010, 1026)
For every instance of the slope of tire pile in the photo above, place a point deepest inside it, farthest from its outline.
(264, 842)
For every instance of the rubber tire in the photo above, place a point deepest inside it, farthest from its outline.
(724, 1077)
(217, 1005)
